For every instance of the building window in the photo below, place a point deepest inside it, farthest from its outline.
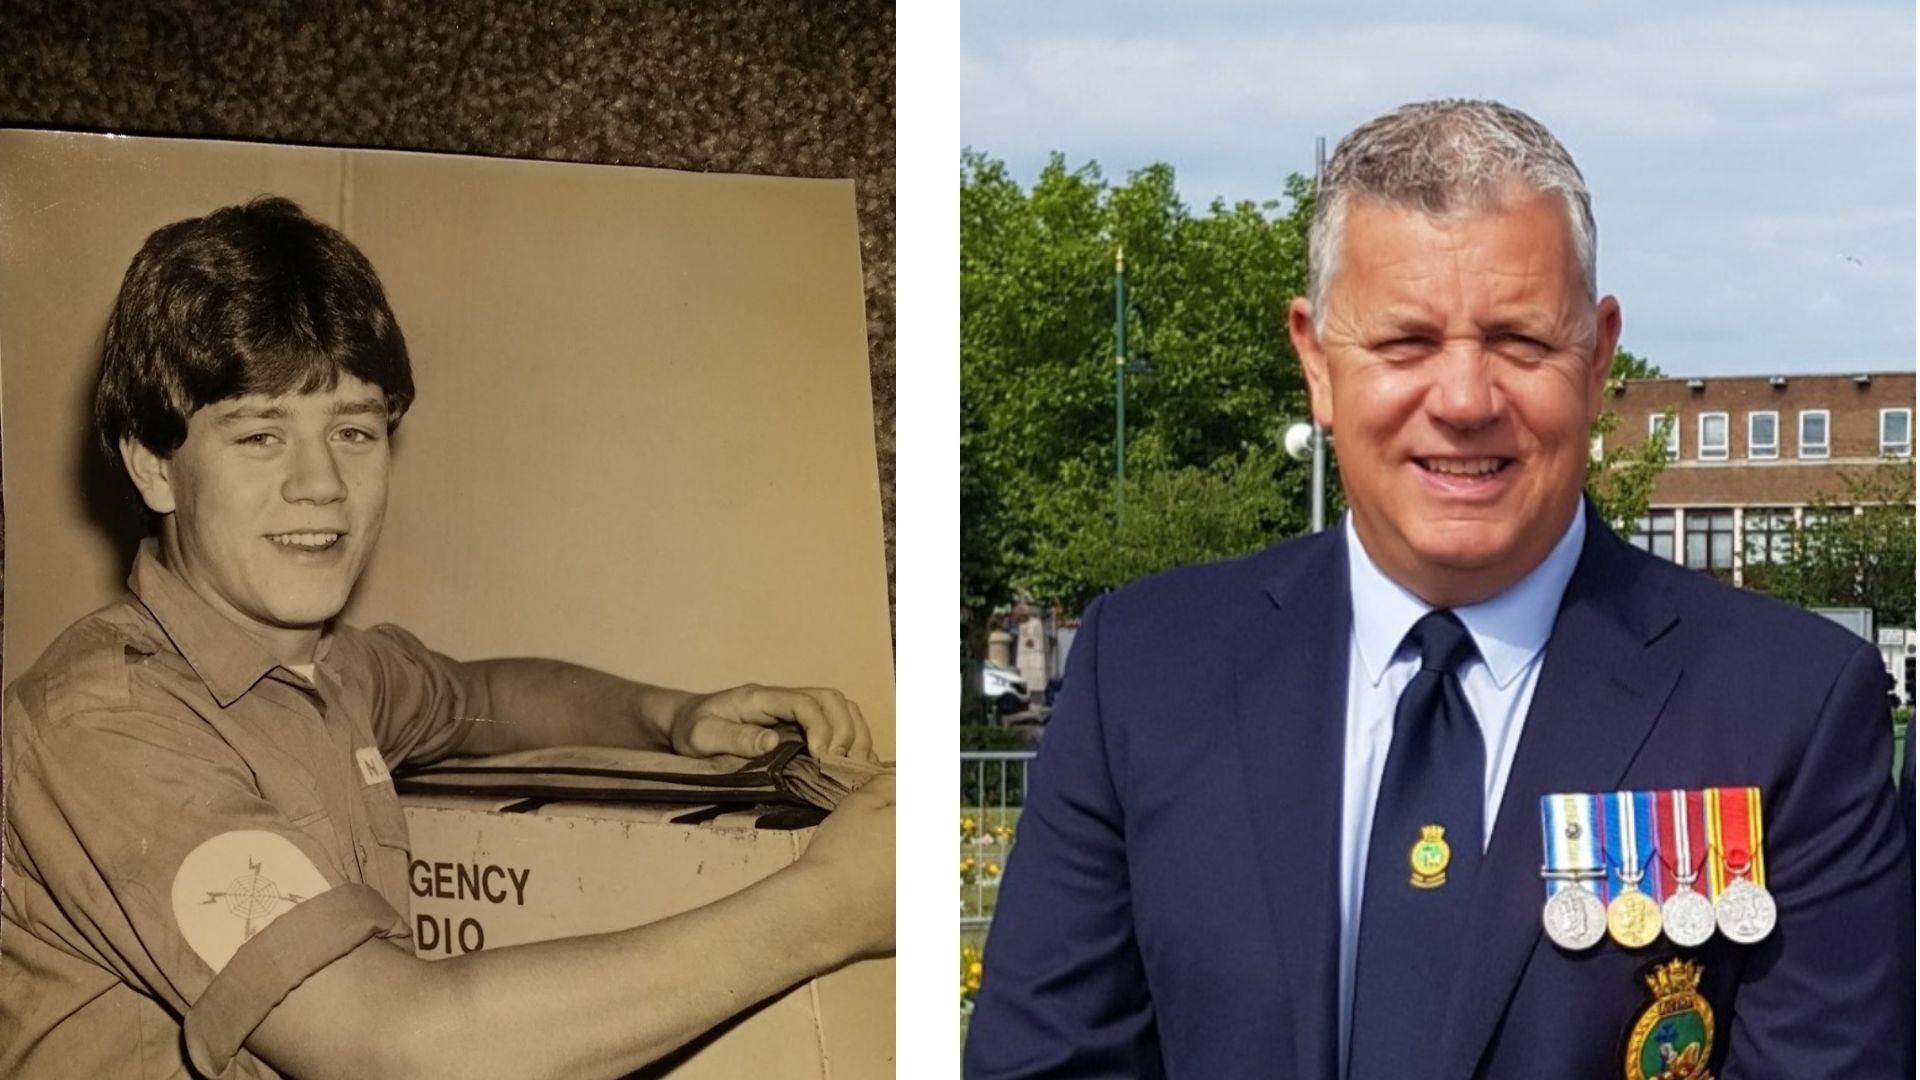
(1710, 542)
(1769, 535)
(1713, 436)
(1896, 433)
(1813, 433)
(1666, 423)
(1763, 435)
(1653, 532)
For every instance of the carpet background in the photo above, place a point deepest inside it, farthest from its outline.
(775, 87)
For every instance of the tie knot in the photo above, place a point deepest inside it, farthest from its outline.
(1443, 642)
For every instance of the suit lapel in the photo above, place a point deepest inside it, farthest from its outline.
(1290, 688)
(1600, 690)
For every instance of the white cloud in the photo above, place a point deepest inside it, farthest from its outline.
(1735, 151)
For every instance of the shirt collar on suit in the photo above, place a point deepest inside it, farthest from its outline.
(1509, 629)
(228, 660)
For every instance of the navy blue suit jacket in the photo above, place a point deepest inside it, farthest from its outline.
(1171, 906)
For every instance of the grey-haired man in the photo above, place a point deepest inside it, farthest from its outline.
(1292, 816)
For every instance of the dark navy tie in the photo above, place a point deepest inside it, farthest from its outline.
(1425, 847)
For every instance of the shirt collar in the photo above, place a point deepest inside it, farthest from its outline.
(224, 657)
(1509, 629)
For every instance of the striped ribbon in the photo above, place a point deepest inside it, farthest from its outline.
(1566, 853)
(1734, 829)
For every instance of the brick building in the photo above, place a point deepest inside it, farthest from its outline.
(1748, 454)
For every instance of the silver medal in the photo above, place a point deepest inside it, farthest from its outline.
(1574, 918)
(1687, 917)
(1745, 911)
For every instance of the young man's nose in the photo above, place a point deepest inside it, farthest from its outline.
(313, 475)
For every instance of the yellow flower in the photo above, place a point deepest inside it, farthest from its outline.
(993, 869)
(966, 826)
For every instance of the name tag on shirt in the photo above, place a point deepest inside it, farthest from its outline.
(372, 766)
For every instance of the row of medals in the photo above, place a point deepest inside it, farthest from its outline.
(1575, 919)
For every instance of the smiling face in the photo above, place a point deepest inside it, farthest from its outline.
(1459, 365)
(272, 505)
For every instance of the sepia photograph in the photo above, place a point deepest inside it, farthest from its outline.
(448, 604)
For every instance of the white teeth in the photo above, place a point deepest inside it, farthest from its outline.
(306, 540)
(1458, 467)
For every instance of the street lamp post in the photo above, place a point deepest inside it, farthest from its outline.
(1120, 378)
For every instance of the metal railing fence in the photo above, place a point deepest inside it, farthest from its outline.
(993, 789)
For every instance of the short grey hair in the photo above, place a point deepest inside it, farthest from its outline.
(1444, 157)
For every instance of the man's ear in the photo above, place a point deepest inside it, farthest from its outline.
(1606, 320)
(150, 473)
(1313, 361)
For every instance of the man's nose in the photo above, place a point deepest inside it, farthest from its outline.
(313, 475)
(1462, 394)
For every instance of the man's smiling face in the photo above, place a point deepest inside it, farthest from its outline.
(272, 506)
(1459, 364)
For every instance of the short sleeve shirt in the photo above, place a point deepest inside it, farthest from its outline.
(192, 830)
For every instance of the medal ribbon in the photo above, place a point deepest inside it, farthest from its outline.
(1733, 822)
(1671, 842)
(1740, 834)
(1637, 834)
(1681, 840)
(1566, 853)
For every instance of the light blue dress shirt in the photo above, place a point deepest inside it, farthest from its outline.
(1510, 631)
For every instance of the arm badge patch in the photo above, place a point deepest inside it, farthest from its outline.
(233, 885)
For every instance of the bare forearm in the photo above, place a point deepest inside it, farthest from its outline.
(626, 998)
(538, 703)
(577, 1007)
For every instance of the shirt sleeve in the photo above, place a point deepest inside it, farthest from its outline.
(170, 869)
(423, 703)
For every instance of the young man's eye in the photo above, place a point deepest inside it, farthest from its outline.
(258, 438)
(359, 435)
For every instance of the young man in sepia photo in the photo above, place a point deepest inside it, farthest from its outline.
(206, 860)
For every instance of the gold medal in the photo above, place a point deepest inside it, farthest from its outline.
(1430, 856)
(1633, 919)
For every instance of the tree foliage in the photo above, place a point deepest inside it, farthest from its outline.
(1620, 481)
(1208, 296)
(1851, 550)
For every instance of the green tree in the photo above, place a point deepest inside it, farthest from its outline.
(1208, 295)
(1621, 480)
(1851, 550)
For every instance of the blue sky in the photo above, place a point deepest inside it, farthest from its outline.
(1752, 166)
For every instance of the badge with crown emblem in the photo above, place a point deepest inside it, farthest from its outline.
(1430, 856)
(1673, 1037)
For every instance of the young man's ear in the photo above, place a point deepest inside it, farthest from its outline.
(150, 474)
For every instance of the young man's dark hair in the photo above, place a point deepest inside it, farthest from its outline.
(253, 299)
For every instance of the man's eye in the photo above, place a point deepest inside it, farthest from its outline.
(359, 435)
(1520, 343)
(258, 438)
(1403, 346)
